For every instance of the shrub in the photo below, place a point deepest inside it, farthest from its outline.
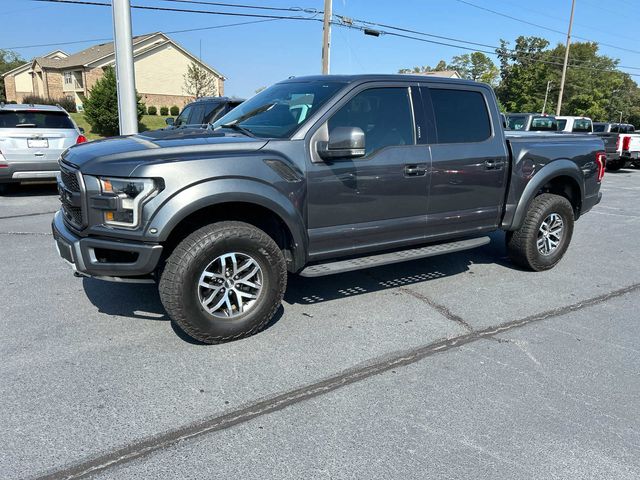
(101, 108)
(68, 104)
(175, 111)
(152, 110)
(164, 111)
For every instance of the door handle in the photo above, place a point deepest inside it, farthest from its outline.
(493, 164)
(414, 170)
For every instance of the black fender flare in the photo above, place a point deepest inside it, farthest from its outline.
(557, 168)
(226, 190)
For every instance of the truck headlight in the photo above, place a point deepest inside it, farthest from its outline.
(127, 195)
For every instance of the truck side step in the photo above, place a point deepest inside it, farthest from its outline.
(341, 266)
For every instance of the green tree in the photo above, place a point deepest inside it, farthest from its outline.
(440, 66)
(199, 82)
(475, 66)
(101, 108)
(8, 61)
(594, 87)
(523, 74)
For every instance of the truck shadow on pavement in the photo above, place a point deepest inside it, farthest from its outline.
(142, 301)
(308, 291)
(31, 190)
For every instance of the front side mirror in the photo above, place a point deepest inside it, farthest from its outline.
(344, 142)
(169, 121)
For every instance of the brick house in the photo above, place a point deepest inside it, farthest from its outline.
(160, 65)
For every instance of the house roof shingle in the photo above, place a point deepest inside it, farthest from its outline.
(85, 56)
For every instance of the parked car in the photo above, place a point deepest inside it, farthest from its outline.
(575, 124)
(32, 137)
(532, 122)
(203, 112)
(610, 133)
(377, 169)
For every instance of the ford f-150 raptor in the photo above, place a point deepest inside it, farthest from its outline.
(315, 176)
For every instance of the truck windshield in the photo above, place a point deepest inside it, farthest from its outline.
(279, 110)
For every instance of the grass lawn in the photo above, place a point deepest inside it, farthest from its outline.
(148, 122)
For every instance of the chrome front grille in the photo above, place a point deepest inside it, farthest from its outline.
(70, 190)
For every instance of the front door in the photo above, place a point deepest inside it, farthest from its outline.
(377, 201)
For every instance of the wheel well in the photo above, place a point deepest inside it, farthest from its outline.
(253, 214)
(567, 187)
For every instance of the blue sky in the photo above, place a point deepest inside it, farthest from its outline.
(257, 55)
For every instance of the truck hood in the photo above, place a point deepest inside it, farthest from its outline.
(119, 156)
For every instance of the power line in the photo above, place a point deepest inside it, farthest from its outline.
(366, 22)
(181, 10)
(236, 5)
(346, 25)
(214, 27)
(542, 26)
(504, 51)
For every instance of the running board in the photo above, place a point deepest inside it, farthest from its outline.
(341, 266)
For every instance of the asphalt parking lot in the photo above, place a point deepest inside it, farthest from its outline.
(458, 366)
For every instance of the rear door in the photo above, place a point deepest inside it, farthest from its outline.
(469, 171)
(35, 136)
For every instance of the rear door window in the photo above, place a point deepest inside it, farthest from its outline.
(600, 128)
(461, 116)
(35, 119)
(562, 123)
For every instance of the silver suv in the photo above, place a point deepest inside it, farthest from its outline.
(32, 137)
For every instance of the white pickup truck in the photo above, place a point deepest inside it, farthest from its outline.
(628, 146)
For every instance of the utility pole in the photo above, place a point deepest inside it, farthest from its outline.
(125, 78)
(566, 59)
(546, 96)
(326, 36)
(620, 117)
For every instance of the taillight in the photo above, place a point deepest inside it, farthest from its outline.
(618, 143)
(626, 143)
(81, 139)
(601, 163)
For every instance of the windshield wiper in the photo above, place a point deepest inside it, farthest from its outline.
(239, 128)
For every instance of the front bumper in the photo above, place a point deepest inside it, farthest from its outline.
(89, 256)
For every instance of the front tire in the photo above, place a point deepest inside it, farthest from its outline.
(542, 240)
(223, 282)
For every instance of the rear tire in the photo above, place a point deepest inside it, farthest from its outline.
(223, 282)
(614, 166)
(542, 240)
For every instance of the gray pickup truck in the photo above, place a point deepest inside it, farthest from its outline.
(316, 176)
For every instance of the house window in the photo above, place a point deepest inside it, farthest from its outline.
(68, 78)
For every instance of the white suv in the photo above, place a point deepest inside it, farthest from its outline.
(32, 137)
